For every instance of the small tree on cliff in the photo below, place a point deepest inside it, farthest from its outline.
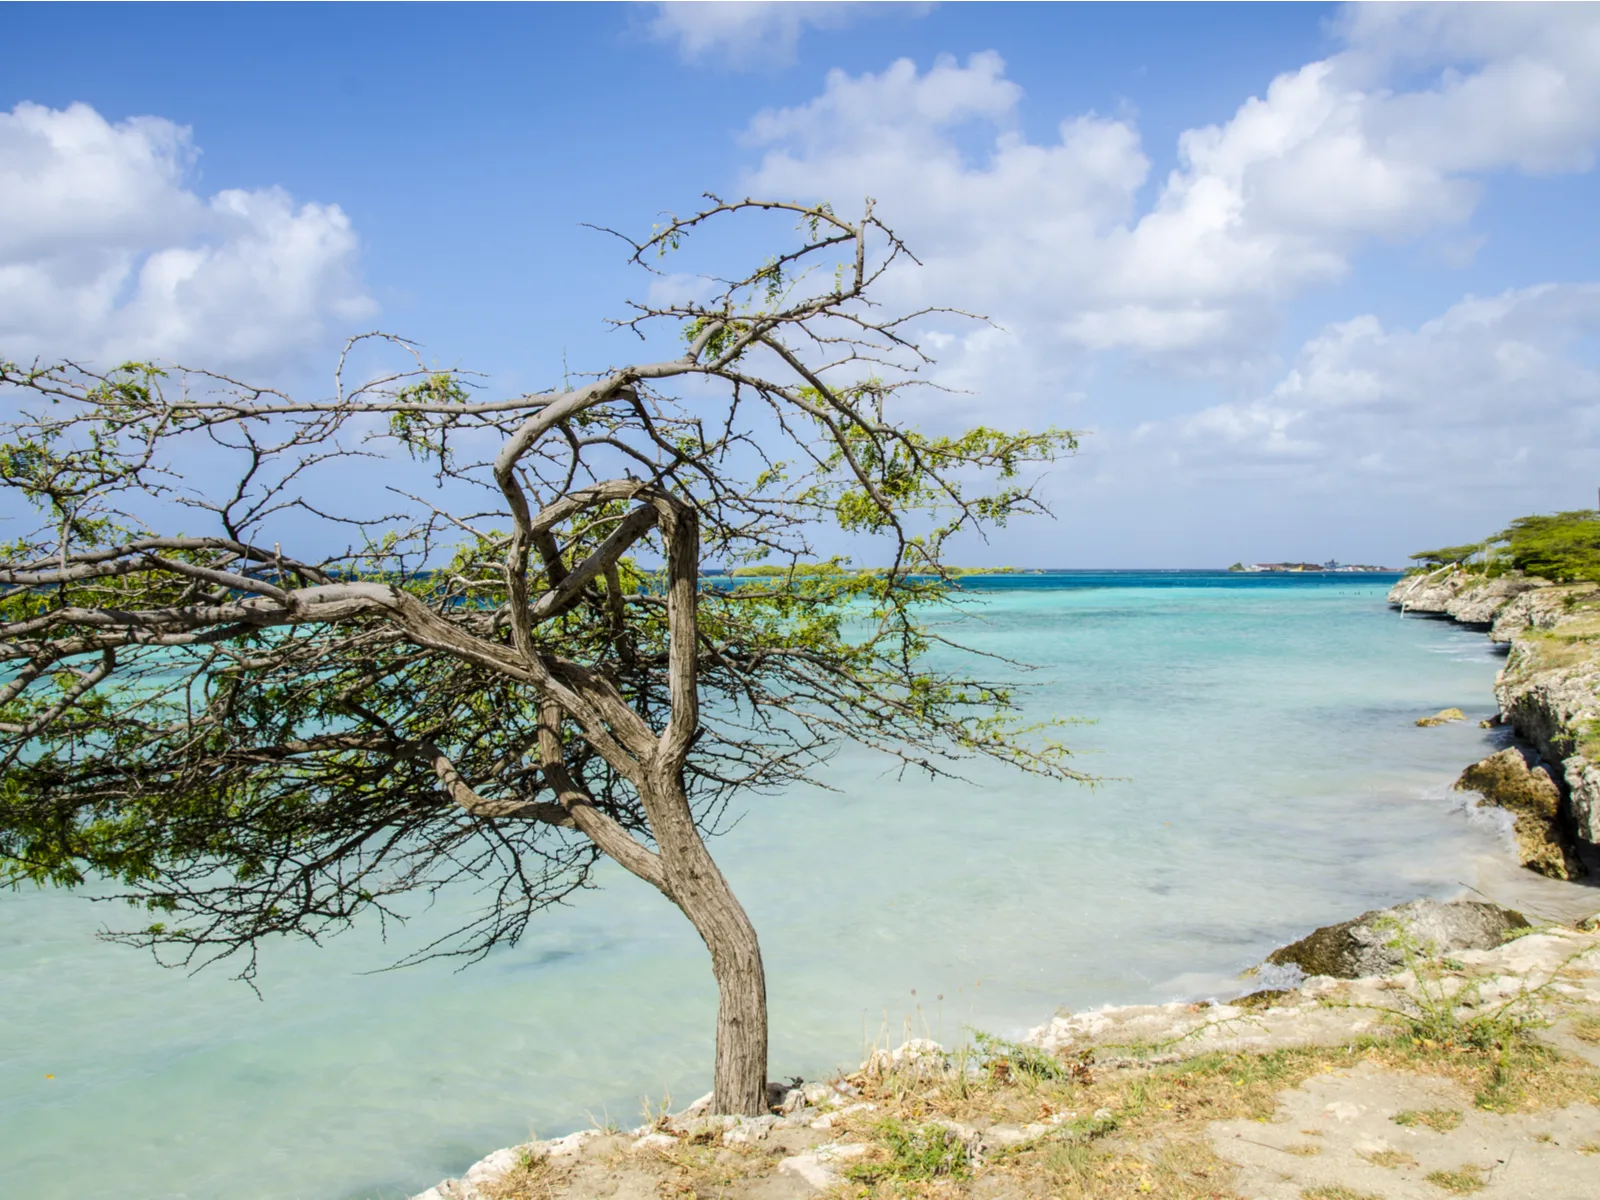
(253, 739)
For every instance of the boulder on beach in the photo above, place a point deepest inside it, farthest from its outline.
(1514, 780)
(1376, 942)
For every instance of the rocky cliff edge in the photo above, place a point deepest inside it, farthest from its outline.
(1549, 689)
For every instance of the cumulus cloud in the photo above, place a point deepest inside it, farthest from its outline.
(748, 33)
(1377, 438)
(1150, 309)
(107, 253)
(1529, 96)
(1386, 140)
(1493, 385)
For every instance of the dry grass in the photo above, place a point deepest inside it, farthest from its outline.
(1569, 644)
(1336, 1192)
(1463, 1180)
(1392, 1159)
(1440, 1120)
(1586, 1028)
(1111, 1131)
(533, 1178)
(1142, 1130)
(1183, 1170)
(693, 1170)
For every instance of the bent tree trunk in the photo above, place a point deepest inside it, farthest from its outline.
(680, 866)
(692, 879)
(696, 885)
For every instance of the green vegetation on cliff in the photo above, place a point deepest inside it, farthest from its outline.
(1563, 547)
(1427, 560)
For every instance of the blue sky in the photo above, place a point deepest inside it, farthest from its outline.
(1317, 281)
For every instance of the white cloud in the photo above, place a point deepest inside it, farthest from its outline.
(1533, 100)
(106, 252)
(1495, 389)
(1385, 140)
(750, 33)
(1109, 283)
(1378, 438)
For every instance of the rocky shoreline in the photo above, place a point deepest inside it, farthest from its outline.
(819, 1134)
(1340, 980)
(1549, 697)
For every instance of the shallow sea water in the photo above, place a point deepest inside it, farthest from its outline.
(1262, 775)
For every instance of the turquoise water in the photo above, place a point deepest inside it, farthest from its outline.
(1262, 775)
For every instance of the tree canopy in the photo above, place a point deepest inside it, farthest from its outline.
(1564, 547)
(1447, 555)
(1561, 546)
(275, 662)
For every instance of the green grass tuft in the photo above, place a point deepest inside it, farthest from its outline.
(915, 1152)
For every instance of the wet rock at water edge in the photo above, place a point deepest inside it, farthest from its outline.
(1367, 945)
(1514, 781)
(1443, 717)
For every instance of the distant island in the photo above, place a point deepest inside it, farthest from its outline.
(767, 570)
(1330, 565)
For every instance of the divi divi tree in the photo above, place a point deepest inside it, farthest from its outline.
(272, 663)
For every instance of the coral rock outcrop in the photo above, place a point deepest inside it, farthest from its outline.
(1549, 692)
(1377, 942)
(1528, 791)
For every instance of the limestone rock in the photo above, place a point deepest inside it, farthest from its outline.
(569, 1146)
(1443, 717)
(817, 1094)
(820, 1167)
(1465, 596)
(1480, 603)
(918, 1056)
(1353, 949)
(1537, 608)
(1510, 780)
(827, 1120)
(1428, 593)
(700, 1107)
(1549, 689)
(482, 1174)
(1550, 685)
(1583, 796)
(749, 1130)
